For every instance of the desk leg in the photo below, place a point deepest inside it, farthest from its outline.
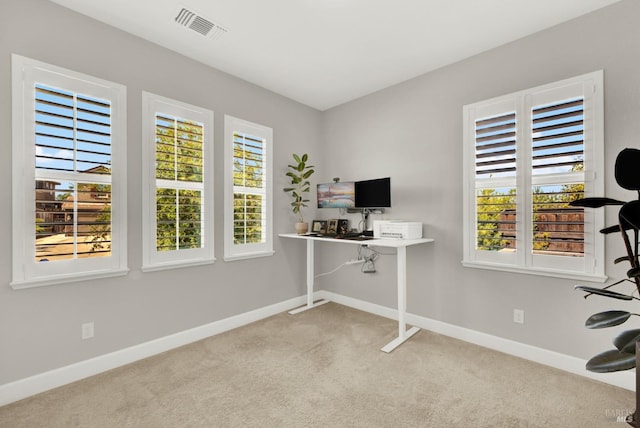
(403, 333)
(310, 278)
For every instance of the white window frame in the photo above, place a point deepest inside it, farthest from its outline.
(27, 272)
(152, 259)
(234, 251)
(591, 266)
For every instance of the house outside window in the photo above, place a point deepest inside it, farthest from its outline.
(69, 178)
(527, 155)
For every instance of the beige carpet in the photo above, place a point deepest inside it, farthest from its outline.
(324, 368)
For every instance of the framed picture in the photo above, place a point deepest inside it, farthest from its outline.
(332, 227)
(319, 226)
(343, 226)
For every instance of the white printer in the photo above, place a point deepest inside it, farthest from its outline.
(397, 229)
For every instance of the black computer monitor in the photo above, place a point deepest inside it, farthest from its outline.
(373, 193)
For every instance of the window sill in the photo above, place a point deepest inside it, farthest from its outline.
(248, 256)
(176, 265)
(64, 279)
(536, 271)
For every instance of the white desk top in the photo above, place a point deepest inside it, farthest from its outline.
(377, 242)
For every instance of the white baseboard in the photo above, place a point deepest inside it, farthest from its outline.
(625, 379)
(27, 387)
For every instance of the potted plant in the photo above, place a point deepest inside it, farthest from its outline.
(625, 356)
(299, 174)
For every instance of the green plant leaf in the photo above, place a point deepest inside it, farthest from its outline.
(596, 202)
(288, 189)
(634, 272)
(305, 157)
(629, 215)
(621, 259)
(611, 361)
(626, 341)
(307, 174)
(297, 158)
(301, 166)
(610, 229)
(607, 319)
(603, 292)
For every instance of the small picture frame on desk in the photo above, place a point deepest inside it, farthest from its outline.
(343, 226)
(332, 227)
(319, 226)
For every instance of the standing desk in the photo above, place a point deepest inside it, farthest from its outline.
(401, 257)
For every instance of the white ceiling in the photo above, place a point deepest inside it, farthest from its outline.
(323, 53)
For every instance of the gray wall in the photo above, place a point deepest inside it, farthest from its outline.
(413, 132)
(40, 327)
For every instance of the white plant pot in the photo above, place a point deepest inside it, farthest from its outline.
(302, 228)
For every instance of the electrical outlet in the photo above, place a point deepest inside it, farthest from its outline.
(87, 330)
(518, 316)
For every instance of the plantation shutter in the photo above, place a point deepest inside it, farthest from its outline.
(558, 150)
(496, 146)
(558, 136)
(72, 175)
(249, 189)
(179, 183)
(527, 156)
(495, 159)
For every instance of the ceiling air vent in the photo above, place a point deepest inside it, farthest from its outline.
(197, 23)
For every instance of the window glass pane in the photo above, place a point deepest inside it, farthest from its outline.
(496, 219)
(495, 141)
(165, 148)
(249, 189)
(178, 219)
(179, 149)
(189, 151)
(248, 218)
(93, 213)
(558, 137)
(73, 220)
(180, 159)
(248, 160)
(166, 218)
(558, 229)
(72, 132)
(189, 219)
